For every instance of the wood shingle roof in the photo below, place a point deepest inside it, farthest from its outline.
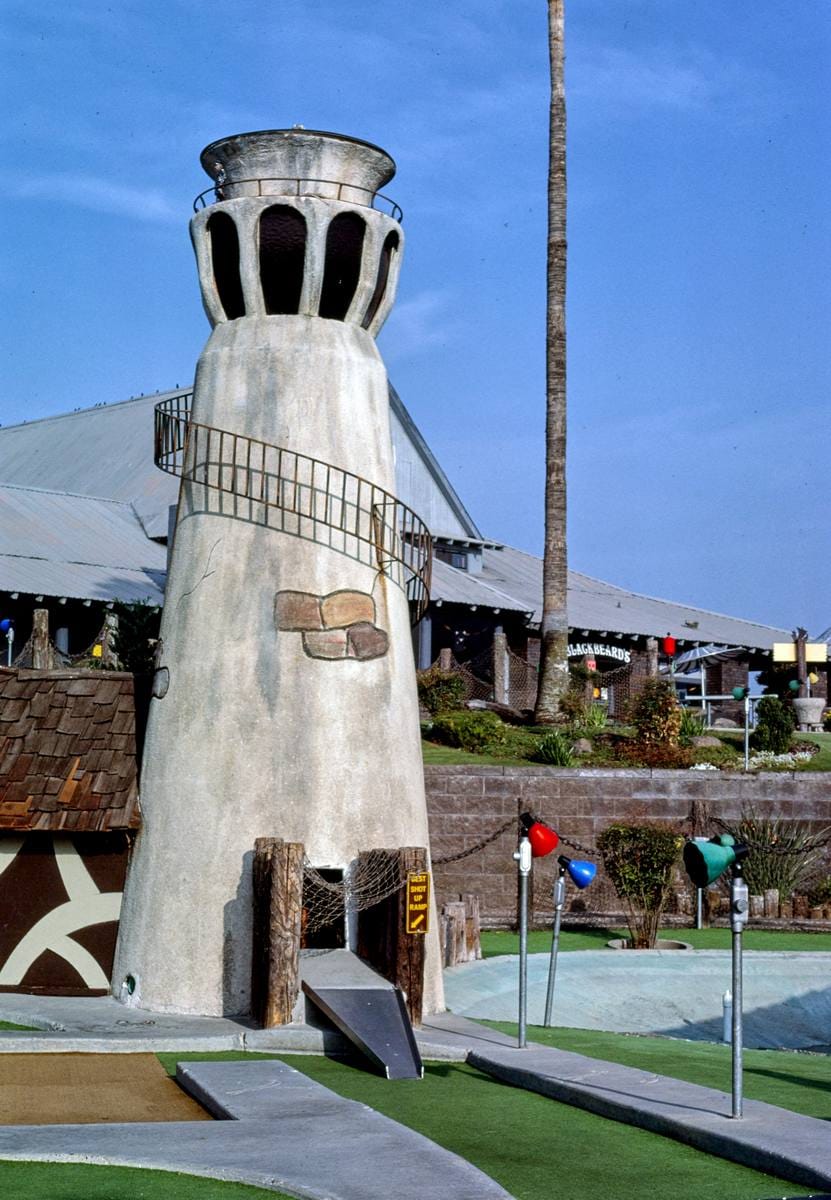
(68, 750)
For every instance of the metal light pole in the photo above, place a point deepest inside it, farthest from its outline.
(746, 731)
(522, 856)
(9, 644)
(739, 905)
(559, 901)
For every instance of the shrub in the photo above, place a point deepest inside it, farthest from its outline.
(724, 756)
(660, 757)
(591, 720)
(656, 714)
(639, 858)
(573, 705)
(476, 732)
(136, 636)
(775, 724)
(788, 863)
(820, 891)
(692, 725)
(554, 749)
(440, 691)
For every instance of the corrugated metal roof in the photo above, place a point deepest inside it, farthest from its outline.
(105, 451)
(512, 580)
(56, 544)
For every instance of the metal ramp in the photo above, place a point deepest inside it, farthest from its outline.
(365, 1007)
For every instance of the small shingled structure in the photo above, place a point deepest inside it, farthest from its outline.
(68, 751)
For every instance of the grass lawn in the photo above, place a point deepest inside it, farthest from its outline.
(503, 941)
(798, 1081)
(527, 1142)
(77, 1181)
(450, 756)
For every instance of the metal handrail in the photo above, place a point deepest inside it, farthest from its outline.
(362, 519)
(219, 189)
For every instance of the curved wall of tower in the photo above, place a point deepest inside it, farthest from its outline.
(285, 702)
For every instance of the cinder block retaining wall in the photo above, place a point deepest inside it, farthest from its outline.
(466, 803)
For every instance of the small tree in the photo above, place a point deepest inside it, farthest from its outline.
(774, 726)
(136, 637)
(656, 714)
(639, 860)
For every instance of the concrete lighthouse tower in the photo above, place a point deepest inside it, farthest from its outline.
(284, 701)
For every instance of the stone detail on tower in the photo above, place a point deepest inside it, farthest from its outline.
(340, 625)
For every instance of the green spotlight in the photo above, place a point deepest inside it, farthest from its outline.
(706, 861)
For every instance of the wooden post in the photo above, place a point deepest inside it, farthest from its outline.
(409, 962)
(501, 690)
(41, 650)
(652, 657)
(472, 927)
(446, 659)
(108, 638)
(800, 637)
(278, 907)
(383, 939)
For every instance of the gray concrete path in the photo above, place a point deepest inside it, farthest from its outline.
(280, 1130)
(766, 1138)
(787, 996)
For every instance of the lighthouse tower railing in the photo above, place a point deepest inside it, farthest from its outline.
(310, 498)
(326, 189)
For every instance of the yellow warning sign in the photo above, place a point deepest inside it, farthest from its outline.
(418, 901)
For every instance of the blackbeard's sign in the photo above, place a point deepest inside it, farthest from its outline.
(598, 650)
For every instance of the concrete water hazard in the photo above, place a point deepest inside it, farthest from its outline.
(787, 996)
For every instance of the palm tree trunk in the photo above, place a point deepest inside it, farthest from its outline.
(553, 681)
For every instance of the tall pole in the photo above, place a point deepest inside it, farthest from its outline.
(522, 857)
(746, 731)
(559, 901)
(739, 905)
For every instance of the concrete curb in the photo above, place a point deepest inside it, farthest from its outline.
(767, 1138)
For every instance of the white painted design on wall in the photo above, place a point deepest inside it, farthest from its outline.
(86, 906)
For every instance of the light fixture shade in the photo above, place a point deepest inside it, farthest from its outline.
(739, 693)
(543, 839)
(669, 646)
(580, 872)
(5, 625)
(705, 861)
(794, 685)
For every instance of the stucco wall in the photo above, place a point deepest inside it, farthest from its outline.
(466, 803)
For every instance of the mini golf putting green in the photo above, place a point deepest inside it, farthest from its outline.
(86, 1089)
(76, 1181)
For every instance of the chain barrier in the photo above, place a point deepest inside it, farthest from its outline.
(817, 843)
(491, 837)
(450, 858)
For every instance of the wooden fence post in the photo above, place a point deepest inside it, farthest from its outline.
(278, 907)
(41, 650)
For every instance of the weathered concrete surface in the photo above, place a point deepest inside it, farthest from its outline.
(100, 1024)
(253, 737)
(282, 1131)
(787, 996)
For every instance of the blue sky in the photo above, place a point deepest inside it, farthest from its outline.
(699, 231)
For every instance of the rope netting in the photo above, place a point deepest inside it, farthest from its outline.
(97, 655)
(375, 876)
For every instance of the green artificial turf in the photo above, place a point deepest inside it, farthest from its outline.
(27, 1028)
(787, 1078)
(537, 1148)
(504, 941)
(77, 1181)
